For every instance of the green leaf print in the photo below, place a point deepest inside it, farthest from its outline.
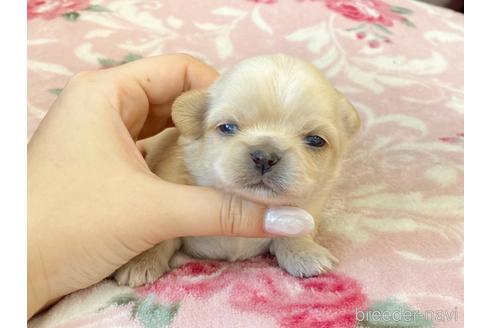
(107, 62)
(55, 91)
(97, 8)
(408, 23)
(71, 16)
(151, 314)
(401, 10)
(392, 314)
(147, 311)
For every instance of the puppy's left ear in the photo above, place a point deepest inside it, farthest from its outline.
(350, 117)
(188, 113)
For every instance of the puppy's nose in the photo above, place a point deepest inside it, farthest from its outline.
(264, 161)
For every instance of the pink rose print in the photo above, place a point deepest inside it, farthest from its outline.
(199, 279)
(49, 9)
(370, 11)
(375, 16)
(360, 35)
(327, 301)
(264, 1)
(373, 44)
(459, 137)
(258, 285)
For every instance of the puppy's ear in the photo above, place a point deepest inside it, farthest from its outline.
(350, 117)
(188, 112)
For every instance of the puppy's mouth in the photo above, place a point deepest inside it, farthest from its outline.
(267, 189)
(261, 186)
(263, 191)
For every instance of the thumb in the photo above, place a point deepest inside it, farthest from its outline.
(183, 210)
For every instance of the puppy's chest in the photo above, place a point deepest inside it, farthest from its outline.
(225, 248)
(173, 169)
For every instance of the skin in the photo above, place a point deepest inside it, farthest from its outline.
(93, 203)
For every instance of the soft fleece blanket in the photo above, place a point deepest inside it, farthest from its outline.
(396, 219)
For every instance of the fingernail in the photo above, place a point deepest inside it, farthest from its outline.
(288, 221)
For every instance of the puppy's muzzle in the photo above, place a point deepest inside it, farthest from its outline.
(264, 160)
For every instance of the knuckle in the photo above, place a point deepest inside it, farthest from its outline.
(231, 215)
(185, 56)
(83, 79)
(81, 76)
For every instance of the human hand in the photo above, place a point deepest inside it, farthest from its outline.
(93, 204)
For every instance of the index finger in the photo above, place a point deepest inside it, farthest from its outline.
(147, 88)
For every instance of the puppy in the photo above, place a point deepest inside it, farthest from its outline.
(272, 130)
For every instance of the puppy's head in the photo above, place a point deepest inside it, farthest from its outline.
(271, 129)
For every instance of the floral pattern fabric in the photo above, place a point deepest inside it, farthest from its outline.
(395, 219)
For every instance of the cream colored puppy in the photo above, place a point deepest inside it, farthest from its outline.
(272, 130)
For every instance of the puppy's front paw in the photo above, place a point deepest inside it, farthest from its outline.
(179, 259)
(148, 266)
(140, 271)
(303, 258)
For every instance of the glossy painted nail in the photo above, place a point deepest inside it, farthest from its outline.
(288, 221)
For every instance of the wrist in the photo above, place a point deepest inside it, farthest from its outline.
(34, 301)
(37, 297)
(37, 284)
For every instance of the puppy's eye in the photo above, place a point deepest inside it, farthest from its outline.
(228, 128)
(315, 141)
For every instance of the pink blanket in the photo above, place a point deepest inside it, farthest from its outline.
(396, 218)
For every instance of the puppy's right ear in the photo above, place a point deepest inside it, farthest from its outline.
(188, 113)
(350, 116)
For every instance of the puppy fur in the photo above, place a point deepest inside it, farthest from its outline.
(275, 102)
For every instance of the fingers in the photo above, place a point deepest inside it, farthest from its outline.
(163, 78)
(146, 89)
(198, 211)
